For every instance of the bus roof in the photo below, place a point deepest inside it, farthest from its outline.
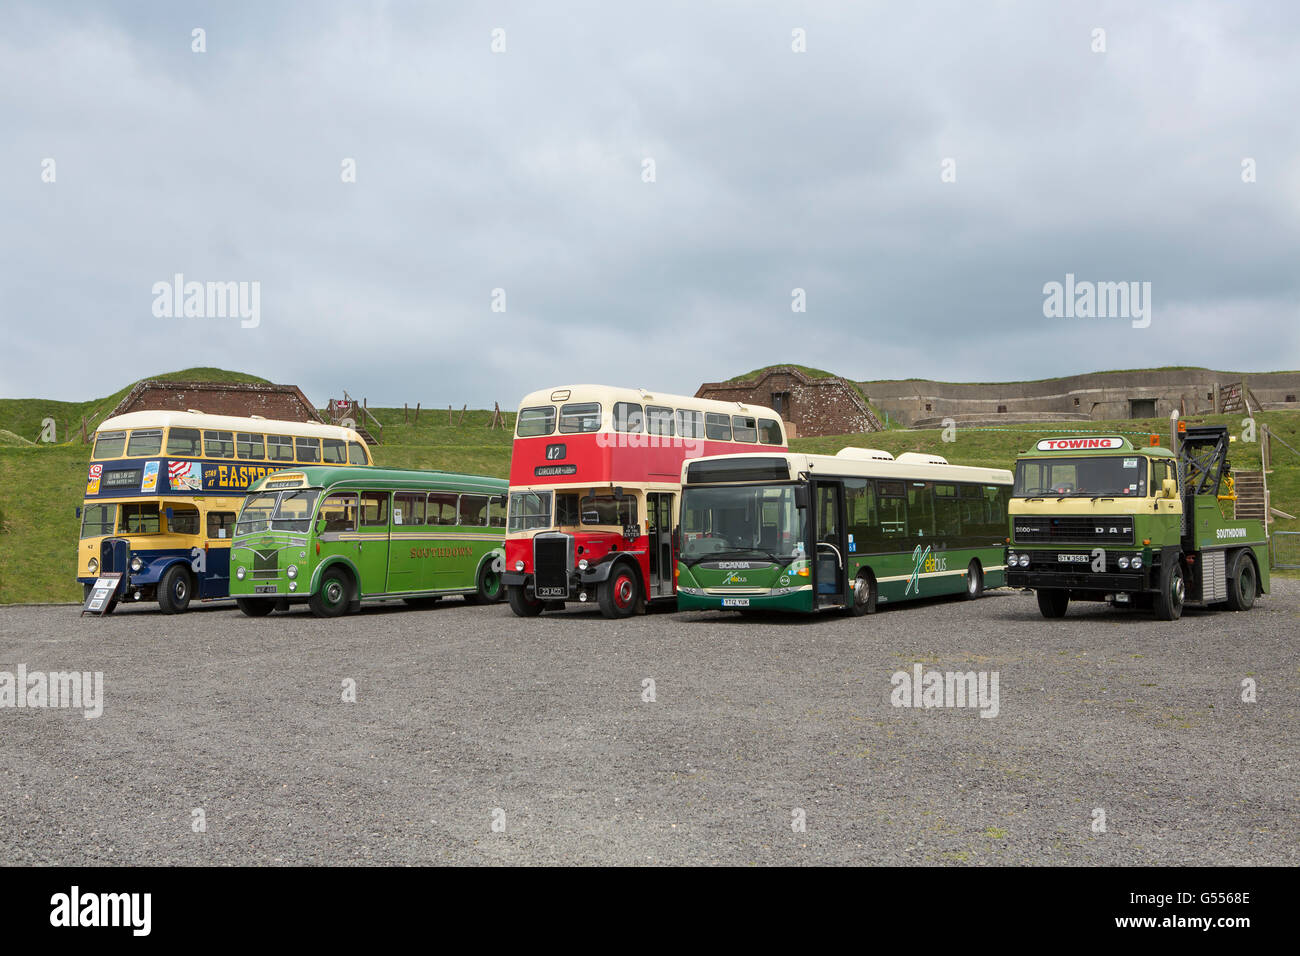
(1092, 445)
(869, 463)
(608, 394)
(165, 418)
(368, 476)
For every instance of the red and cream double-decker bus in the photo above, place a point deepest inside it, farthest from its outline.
(595, 476)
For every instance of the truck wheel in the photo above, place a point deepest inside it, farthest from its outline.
(974, 581)
(1241, 583)
(487, 588)
(1053, 601)
(255, 607)
(620, 593)
(523, 603)
(174, 590)
(334, 594)
(862, 596)
(1168, 603)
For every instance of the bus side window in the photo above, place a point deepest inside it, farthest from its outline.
(144, 442)
(442, 507)
(473, 510)
(892, 506)
(221, 524)
(357, 454)
(184, 441)
(717, 427)
(947, 513)
(408, 508)
(340, 512)
(219, 444)
(920, 510)
(689, 424)
(183, 520)
(769, 432)
(659, 421)
(743, 429)
(139, 518)
(336, 452)
(279, 448)
(250, 447)
(860, 507)
(374, 509)
(497, 512)
(308, 449)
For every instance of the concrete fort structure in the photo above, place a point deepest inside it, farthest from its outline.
(824, 404)
(280, 402)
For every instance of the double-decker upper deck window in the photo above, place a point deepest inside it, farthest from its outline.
(690, 424)
(109, 445)
(250, 446)
(535, 421)
(144, 441)
(184, 441)
(769, 431)
(628, 417)
(308, 449)
(219, 444)
(743, 428)
(357, 454)
(336, 451)
(579, 417)
(279, 447)
(659, 421)
(717, 427)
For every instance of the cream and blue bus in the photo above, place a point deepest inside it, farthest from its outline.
(849, 531)
(163, 490)
(333, 537)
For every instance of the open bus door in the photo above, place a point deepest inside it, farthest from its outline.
(830, 543)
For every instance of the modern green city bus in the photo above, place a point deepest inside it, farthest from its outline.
(335, 537)
(848, 531)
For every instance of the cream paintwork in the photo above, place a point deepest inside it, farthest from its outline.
(1102, 506)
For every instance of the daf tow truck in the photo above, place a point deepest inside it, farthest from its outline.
(1098, 518)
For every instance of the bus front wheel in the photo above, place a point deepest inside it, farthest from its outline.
(487, 588)
(255, 607)
(1053, 601)
(523, 603)
(863, 596)
(174, 590)
(334, 594)
(620, 593)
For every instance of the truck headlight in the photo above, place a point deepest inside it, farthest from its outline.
(240, 572)
(292, 572)
(1136, 563)
(92, 566)
(582, 565)
(1024, 560)
(519, 565)
(1011, 559)
(1123, 563)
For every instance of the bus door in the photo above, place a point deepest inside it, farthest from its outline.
(372, 549)
(659, 522)
(831, 547)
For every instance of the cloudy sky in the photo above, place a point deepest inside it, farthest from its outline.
(525, 171)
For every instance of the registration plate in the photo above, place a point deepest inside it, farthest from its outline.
(735, 602)
(264, 588)
(1073, 558)
(552, 592)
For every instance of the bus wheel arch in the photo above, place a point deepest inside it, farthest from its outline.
(175, 588)
(488, 586)
(622, 593)
(864, 593)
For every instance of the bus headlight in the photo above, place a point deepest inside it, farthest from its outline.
(1024, 561)
(519, 565)
(240, 572)
(1136, 563)
(1123, 563)
(292, 572)
(582, 565)
(92, 566)
(136, 563)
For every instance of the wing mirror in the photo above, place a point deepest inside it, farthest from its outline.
(1169, 488)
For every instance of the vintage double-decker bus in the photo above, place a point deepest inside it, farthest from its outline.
(848, 531)
(164, 487)
(595, 474)
(334, 537)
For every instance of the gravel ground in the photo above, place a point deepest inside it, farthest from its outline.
(464, 711)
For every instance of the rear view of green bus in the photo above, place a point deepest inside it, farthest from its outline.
(849, 531)
(337, 536)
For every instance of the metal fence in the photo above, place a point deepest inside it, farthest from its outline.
(1286, 549)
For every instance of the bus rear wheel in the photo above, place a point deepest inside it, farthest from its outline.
(174, 590)
(1168, 603)
(620, 593)
(334, 594)
(487, 588)
(1052, 602)
(974, 581)
(523, 603)
(255, 607)
(1241, 583)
